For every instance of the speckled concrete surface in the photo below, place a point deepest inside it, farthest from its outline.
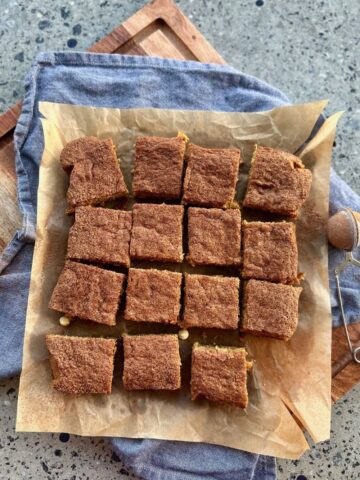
(309, 50)
(51, 456)
(337, 459)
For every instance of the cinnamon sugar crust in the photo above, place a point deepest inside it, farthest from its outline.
(278, 182)
(153, 296)
(211, 302)
(211, 176)
(219, 374)
(270, 309)
(100, 235)
(151, 362)
(81, 365)
(157, 232)
(214, 236)
(158, 167)
(270, 251)
(88, 292)
(94, 169)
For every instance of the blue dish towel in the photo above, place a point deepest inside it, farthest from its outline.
(131, 82)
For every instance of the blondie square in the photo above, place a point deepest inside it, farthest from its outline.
(81, 365)
(270, 251)
(278, 182)
(214, 236)
(88, 292)
(94, 169)
(151, 362)
(211, 176)
(157, 233)
(219, 374)
(153, 296)
(100, 235)
(211, 302)
(270, 309)
(158, 167)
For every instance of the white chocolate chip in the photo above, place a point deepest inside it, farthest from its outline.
(184, 136)
(183, 334)
(64, 321)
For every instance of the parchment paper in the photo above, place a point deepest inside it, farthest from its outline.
(290, 382)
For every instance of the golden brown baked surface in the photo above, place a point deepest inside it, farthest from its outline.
(95, 174)
(219, 374)
(278, 182)
(158, 167)
(211, 176)
(211, 302)
(270, 251)
(78, 151)
(151, 362)
(157, 233)
(81, 365)
(214, 236)
(100, 235)
(153, 296)
(270, 309)
(88, 292)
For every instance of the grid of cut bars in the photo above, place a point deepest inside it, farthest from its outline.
(153, 232)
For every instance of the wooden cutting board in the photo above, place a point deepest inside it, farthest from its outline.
(158, 29)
